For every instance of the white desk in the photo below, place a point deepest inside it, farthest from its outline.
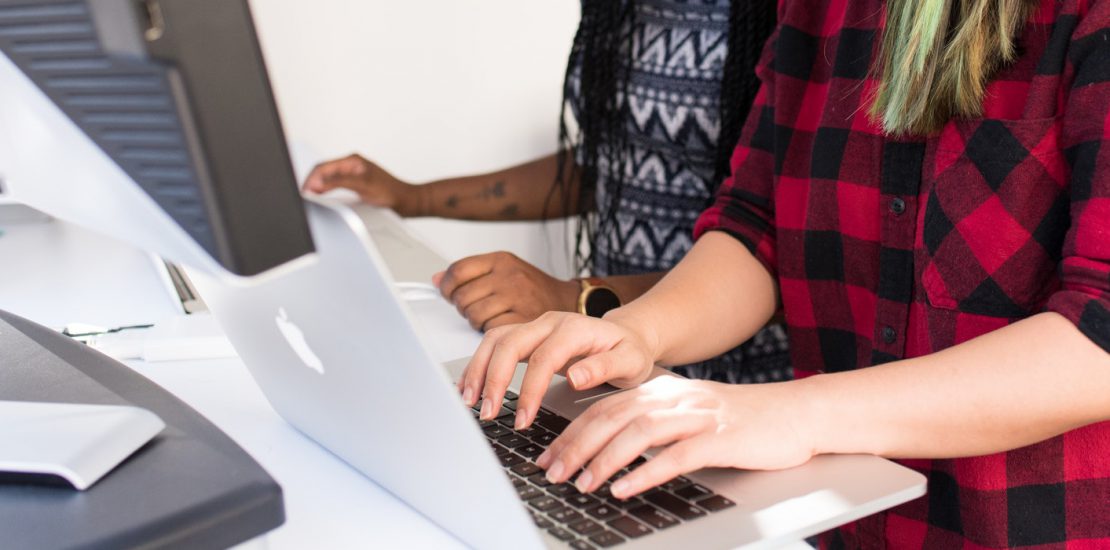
(57, 273)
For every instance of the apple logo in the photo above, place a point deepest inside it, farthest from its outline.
(295, 336)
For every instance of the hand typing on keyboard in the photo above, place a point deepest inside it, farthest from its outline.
(700, 424)
(697, 423)
(589, 351)
(598, 519)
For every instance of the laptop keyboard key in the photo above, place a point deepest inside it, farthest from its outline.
(496, 430)
(693, 492)
(562, 489)
(530, 450)
(529, 492)
(530, 431)
(582, 545)
(525, 469)
(564, 515)
(716, 503)
(561, 534)
(554, 423)
(544, 503)
(630, 527)
(603, 512)
(542, 522)
(675, 484)
(624, 504)
(603, 492)
(653, 517)
(509, 460)
(674, 505)
(580, 501)
(518, 483)
(540, 480)
(513, 441)
(545, 438)
(509, 394)
(499, 450)
(606, 539)
(585, 526)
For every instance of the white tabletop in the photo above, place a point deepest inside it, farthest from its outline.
(56, 273)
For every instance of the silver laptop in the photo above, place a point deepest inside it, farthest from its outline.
(340, 356)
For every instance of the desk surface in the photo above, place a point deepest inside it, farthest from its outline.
(60, 274)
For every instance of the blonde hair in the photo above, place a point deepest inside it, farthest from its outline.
(937, 57)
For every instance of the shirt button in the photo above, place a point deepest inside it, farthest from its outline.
(898, 206)
(889, 335)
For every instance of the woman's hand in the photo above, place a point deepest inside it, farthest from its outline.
(700, 424)
(373, 184)
(591, 351)
(497, 289)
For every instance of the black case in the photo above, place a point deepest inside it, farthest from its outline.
(190, 487)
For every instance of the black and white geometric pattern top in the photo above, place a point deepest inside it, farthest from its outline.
(678, 56)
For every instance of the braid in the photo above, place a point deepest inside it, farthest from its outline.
(602, 39)
(750, 24)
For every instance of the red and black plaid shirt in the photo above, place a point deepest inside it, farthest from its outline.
(887, 249)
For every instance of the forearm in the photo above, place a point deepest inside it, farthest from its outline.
(522, 192)
(1007, 389)
(718, 296)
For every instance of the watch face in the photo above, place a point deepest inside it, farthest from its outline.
(600, 301)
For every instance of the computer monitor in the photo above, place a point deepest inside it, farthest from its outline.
(153, 121)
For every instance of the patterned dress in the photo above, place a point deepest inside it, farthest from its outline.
(679, 49)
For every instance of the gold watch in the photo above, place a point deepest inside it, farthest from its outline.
(596, 298)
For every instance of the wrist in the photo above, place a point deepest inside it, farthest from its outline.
(641, 327)
(412, 200)
(814, 420)
(567, 292)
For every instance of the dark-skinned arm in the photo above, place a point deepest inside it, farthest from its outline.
(520, 193)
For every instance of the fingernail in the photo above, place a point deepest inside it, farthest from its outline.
(579, 377)
(619, 489)
(543, 459)
(584, 480)
(487, 409)
(468, 396)
(521, 419)
(555, 472)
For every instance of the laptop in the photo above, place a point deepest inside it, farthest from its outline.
(335, 347)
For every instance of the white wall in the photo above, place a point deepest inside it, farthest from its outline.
(428, 89)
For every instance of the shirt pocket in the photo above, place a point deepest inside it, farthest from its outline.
(995, 217)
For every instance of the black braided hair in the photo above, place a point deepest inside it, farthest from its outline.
(602, 53)
(751, 23)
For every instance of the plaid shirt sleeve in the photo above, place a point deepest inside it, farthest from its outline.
(1084, 296)
(744, 206)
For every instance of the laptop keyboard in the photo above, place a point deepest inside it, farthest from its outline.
(586, 521)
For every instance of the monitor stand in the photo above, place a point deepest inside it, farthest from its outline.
(75, 444)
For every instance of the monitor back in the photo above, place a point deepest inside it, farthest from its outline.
(175, 92)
